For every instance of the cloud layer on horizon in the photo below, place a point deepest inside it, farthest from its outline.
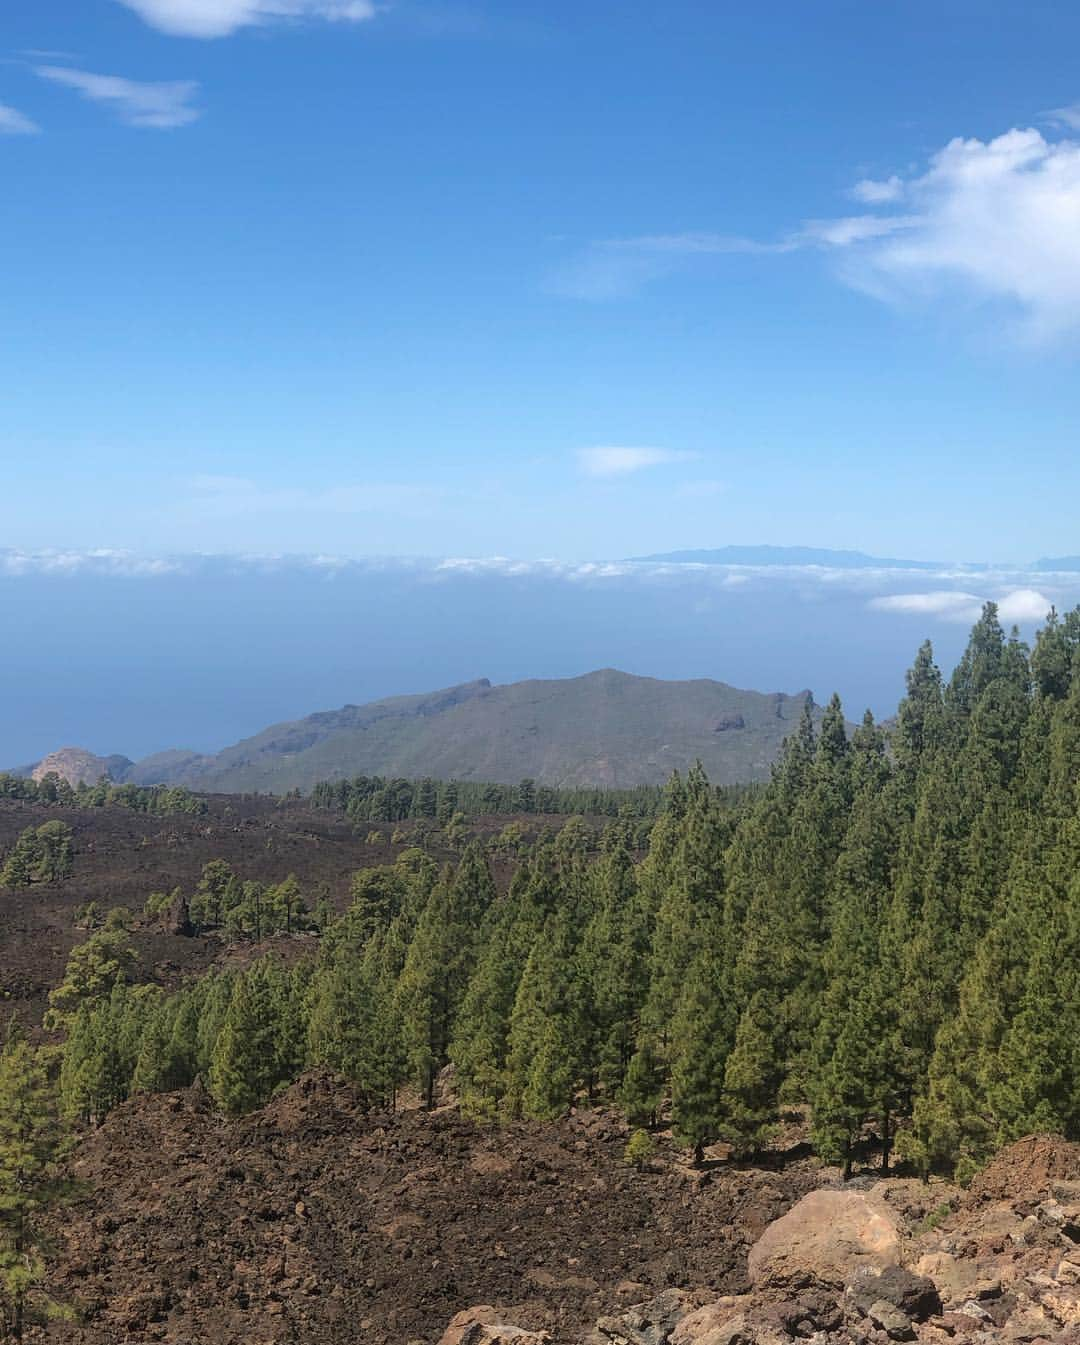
(951, 595)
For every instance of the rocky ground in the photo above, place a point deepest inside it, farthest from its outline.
(870, 1264)
(312, 1222)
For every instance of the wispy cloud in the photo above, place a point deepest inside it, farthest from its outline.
(1067, 117)
(612, 461)
(161, 105)
(878, 192)
(14, 122)
(47, 54)
(690, 244)
(849, 230)
(613, 268)
(220, 18)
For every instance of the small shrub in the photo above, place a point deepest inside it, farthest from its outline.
(158, 902)
(639, 1150)
(935, 1218)
(88, 916)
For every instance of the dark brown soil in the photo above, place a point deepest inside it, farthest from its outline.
(313, 1222)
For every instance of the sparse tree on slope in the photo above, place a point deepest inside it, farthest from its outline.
(32, 1143)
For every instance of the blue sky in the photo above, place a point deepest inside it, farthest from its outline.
(570, 280)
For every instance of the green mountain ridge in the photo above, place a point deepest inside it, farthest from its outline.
(605, 728)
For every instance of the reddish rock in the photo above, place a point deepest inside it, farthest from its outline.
(825, 1239)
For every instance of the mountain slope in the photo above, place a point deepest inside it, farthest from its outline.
(605, 728)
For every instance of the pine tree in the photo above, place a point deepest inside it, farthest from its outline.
(54, 855)
(643, 1086)
(93, 969)
(1037, 1080)
(544, 1063)
(701, 1045)
(218, 891)
(482, 1030)
(425, 804)
(245, 1063)
(430, 987)
(613, 965)
(848, 1085)
(752, 1075)
(32, 1143)
(448, 803)
(341, 1030)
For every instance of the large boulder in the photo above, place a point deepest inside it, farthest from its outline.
(824, 1239)
(481, 1326)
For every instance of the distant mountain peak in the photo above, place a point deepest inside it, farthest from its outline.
(78, 766)
(789, 555)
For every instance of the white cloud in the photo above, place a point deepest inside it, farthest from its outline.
(996, 220)
(947, 604)
(872, 192)
(220, 18)
(161, 105)
(1023, 605)
(14, 122)
(616, 461)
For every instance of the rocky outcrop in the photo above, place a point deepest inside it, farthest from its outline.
(177, 917)
(997, 1265)
(78, 766)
